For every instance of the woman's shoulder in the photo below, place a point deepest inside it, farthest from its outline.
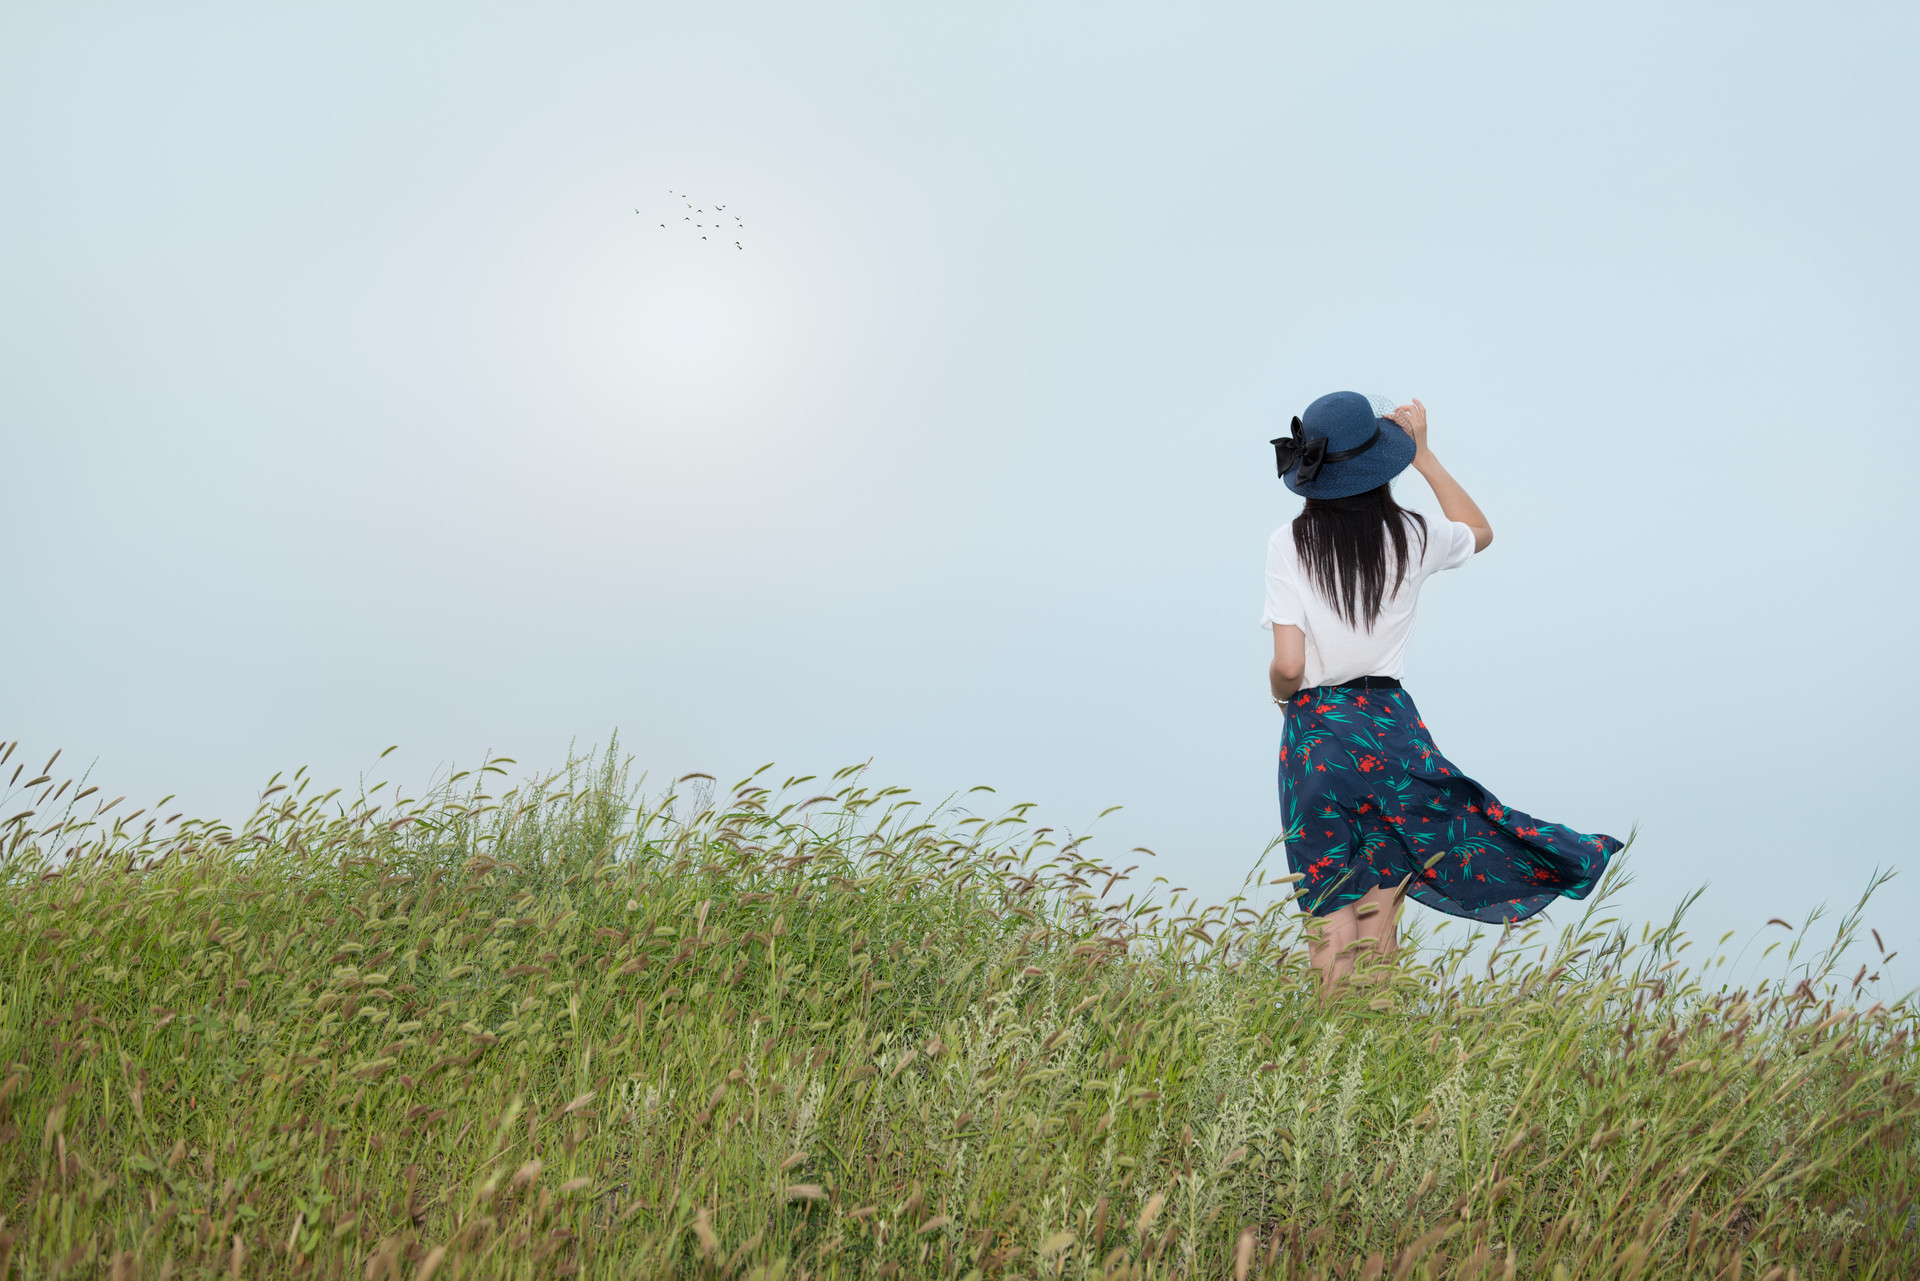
(1283, 563)
(1448, 543)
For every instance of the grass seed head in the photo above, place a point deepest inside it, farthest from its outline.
(1243, 1254)
(1149, 1213)
(703, 1230)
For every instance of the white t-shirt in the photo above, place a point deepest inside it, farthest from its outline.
(1336, 650)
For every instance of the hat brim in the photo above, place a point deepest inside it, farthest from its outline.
(1388, 458)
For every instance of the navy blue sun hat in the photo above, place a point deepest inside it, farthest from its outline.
(1340, 448)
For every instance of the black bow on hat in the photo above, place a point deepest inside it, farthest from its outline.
(1297, 450)
(1310, 453)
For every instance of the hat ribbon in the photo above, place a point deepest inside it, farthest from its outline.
(1309, 454)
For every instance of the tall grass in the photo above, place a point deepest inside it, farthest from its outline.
(815, 1031)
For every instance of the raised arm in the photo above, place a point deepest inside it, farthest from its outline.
(1453, 499)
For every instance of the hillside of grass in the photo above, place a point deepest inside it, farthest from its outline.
(565, 1028)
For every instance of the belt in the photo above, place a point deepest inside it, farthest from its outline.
(1369, 682)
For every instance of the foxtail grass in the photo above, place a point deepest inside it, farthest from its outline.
(567, 1028)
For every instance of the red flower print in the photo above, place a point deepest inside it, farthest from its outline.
(1375, 828)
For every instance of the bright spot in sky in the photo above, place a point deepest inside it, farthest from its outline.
(694, 338)
(687, 367)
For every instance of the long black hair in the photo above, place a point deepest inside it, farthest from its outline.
(1342, 543)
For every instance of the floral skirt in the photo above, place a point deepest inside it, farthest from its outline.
(1368, 801)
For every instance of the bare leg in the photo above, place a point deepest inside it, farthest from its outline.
(1337, 931)
(1379, 927)
(1370, 925)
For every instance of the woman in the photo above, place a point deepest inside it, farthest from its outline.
(1372, 810)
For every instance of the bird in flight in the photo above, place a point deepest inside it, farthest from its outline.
(700, 211)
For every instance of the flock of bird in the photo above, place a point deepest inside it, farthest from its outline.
(701, 226)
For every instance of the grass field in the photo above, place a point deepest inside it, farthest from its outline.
(817, 1031)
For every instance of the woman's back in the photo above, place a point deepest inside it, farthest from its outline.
(1340, 644)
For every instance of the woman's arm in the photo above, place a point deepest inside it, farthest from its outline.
(1453, 499)
(1289, 660)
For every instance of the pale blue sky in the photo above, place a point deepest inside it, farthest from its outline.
(346, 400)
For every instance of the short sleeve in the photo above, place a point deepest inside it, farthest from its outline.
(1459, 545)
(1283, 594)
